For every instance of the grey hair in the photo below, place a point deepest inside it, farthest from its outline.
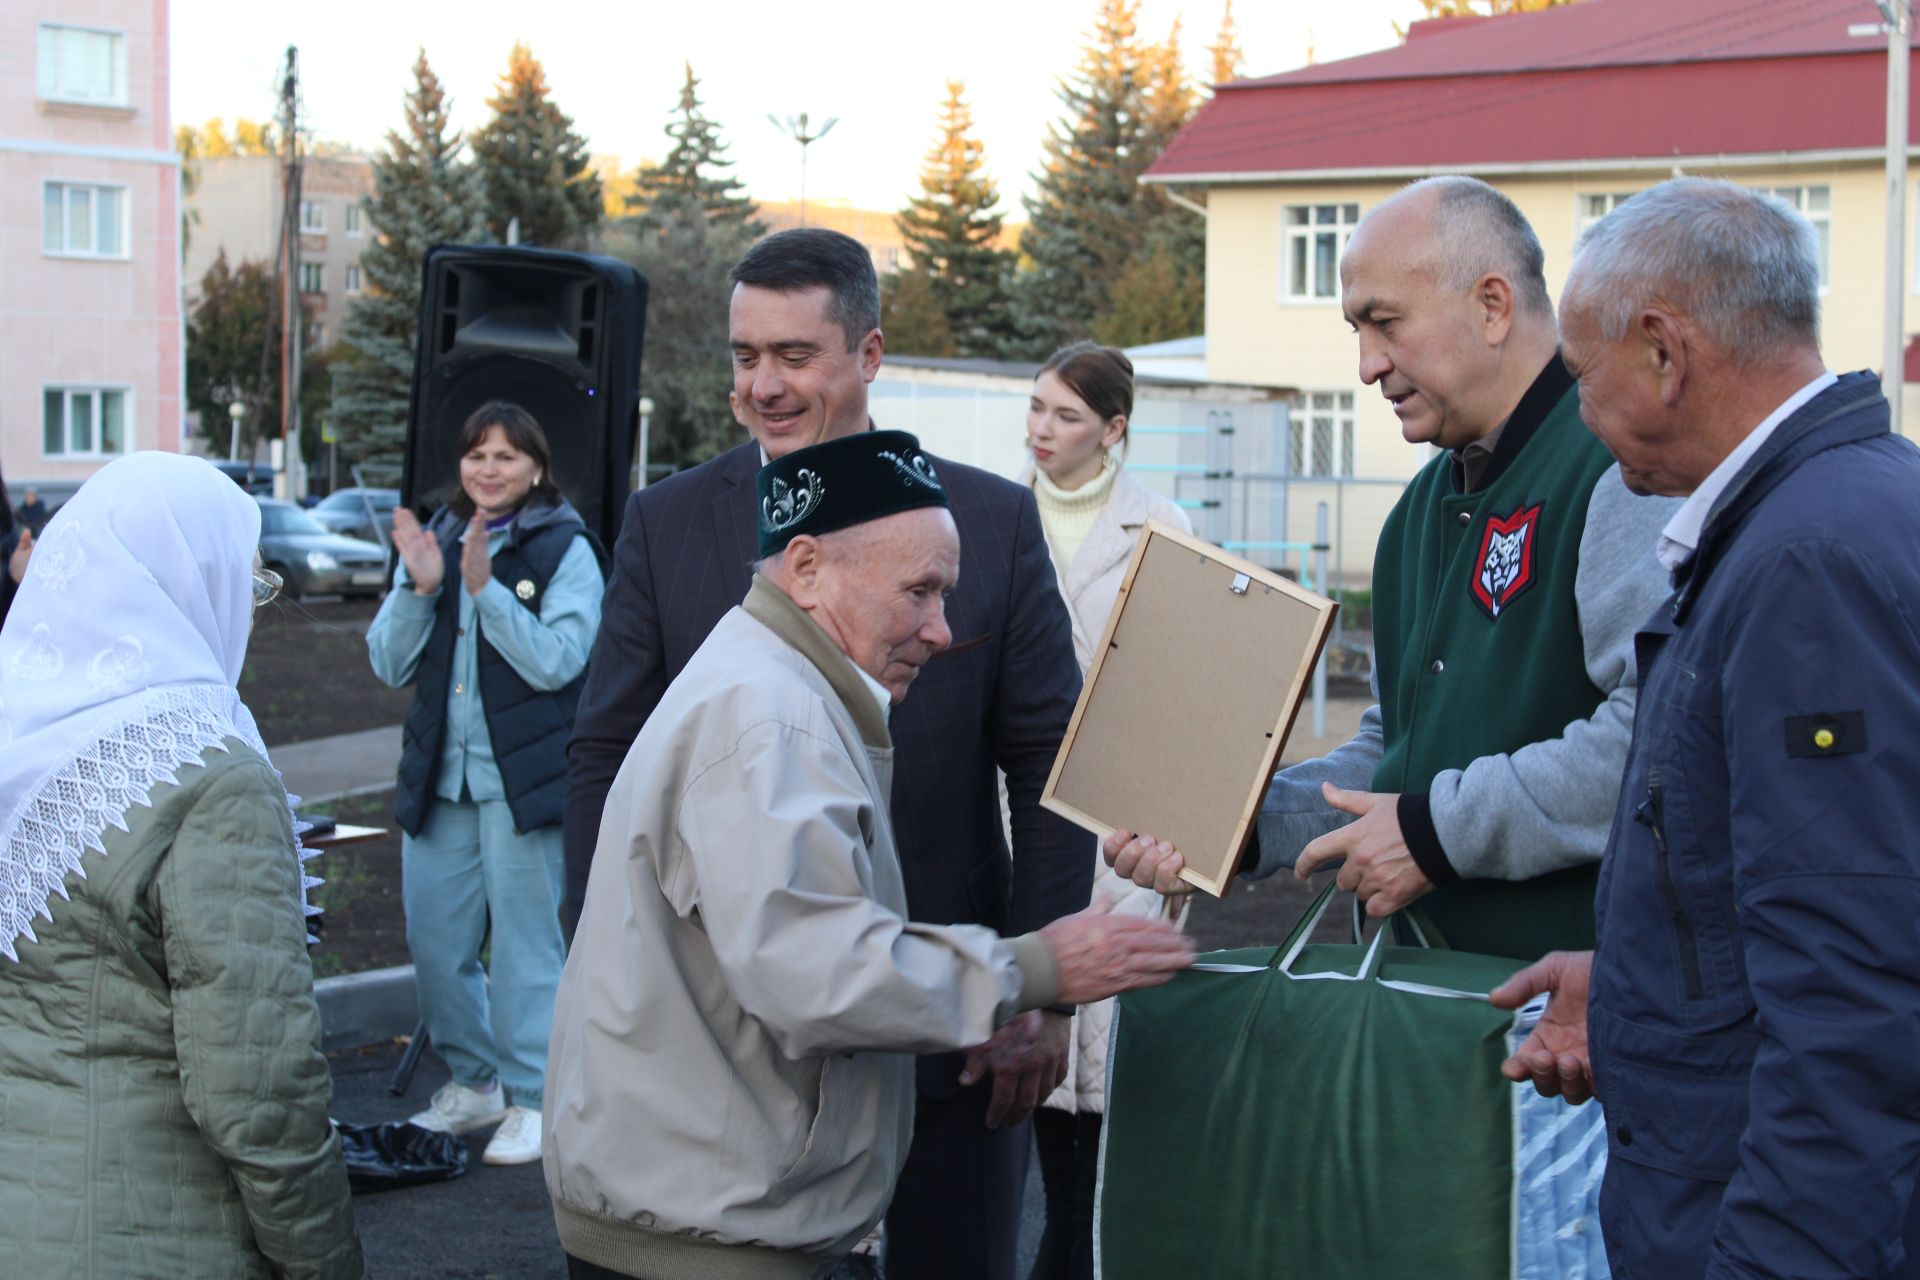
(1479, 231)
(1742, 265)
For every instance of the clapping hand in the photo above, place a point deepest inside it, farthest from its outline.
(476, 561)
(419, 552)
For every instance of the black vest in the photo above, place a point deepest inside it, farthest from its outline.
(529, 727)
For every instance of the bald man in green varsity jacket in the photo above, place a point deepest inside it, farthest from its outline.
(1509, 581)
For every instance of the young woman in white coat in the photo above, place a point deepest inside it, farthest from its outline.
(1092, 511)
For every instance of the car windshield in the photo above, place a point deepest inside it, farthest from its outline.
(357, 500)
(281, 518)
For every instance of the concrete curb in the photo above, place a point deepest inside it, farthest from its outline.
(360, 1008)
(328, 797)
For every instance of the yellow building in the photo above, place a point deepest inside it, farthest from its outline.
(1568, 111)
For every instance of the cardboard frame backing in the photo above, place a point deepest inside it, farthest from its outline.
(1193, 691)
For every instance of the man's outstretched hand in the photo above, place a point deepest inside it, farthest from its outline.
(1554, 1056)
(1100, 955)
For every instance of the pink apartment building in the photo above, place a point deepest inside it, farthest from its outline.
(91, 344)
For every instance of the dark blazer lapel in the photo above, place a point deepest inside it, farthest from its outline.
(736, 531)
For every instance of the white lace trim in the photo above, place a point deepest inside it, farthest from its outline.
(68, 813)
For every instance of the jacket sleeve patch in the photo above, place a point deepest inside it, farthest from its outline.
(1830, 733)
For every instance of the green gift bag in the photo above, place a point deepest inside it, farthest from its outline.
(1337, 1111)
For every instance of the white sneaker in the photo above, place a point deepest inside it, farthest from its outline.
(456, 1108)
(517, 1140)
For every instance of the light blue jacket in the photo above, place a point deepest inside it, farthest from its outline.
(547, 651)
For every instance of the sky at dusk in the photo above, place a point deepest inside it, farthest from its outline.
(616, 69)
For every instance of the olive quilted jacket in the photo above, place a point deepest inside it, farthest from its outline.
(163, 1099)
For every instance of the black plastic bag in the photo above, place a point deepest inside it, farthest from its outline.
(381, 1157)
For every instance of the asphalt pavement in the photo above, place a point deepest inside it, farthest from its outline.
(492, 1223)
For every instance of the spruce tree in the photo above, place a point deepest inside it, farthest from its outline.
(695, 170)
(1227, 58)
(1085, 220)
(422, 196)
(952, 229)
(912, 318)
(690, 223)
(533, 166)
(1173, 256)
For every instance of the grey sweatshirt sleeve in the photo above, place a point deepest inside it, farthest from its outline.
(1294, 813)
(1549, 805)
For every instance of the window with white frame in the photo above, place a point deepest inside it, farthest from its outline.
(316, 332)
(1320, 435)
(353, 277)
(82, 64)
(1316, 236)
(313, 277)
(313, 217)
(81, 220)
(1816, 205)
(1590, 207)
(353, 220)
(84, 422)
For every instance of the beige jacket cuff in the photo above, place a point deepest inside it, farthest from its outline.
(1039, 975)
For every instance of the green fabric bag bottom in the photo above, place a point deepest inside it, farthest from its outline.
(1308, 1119)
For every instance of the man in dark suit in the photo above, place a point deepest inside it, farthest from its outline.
(804, 326)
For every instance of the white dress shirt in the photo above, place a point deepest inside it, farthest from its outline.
(1681, 538)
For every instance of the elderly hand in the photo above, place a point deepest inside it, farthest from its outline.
(1098, 954)
(1379, 867)
(418, 551)
(1149, 863)
(476, 561)
(22, 552)
(1028, 1059)
(1554, 1054)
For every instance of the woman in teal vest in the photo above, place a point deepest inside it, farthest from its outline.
(491, 618)
(1092, 512)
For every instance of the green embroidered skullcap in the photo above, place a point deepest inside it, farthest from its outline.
(842, 483)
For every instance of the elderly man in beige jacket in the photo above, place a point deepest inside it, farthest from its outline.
(730, 1086)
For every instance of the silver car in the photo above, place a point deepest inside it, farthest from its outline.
(313, 559)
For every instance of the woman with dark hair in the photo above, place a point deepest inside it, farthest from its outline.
(16, 549)
(491, 618)
(1091, 511)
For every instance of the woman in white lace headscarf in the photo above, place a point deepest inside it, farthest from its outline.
(163, 1100)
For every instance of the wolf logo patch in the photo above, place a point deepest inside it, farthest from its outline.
(1504, 567)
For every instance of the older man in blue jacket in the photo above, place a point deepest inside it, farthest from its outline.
(1754, 1009)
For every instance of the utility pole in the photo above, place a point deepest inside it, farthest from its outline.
(288, 480)
(1893, 360)
(1893, 378)
(797, 128)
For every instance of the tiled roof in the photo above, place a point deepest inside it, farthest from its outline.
(1643, 80)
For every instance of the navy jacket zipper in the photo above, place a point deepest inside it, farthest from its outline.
(1653, 816)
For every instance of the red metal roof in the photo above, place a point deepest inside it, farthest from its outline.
(1601, 80)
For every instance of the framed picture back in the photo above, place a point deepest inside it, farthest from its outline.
(1199, 674)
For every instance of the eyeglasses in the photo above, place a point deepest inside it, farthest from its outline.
(266, 585)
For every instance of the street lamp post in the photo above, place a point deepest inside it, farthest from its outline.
(237, 411)
(799, 130)
(646, 412)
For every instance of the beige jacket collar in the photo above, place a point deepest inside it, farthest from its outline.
(775, 610)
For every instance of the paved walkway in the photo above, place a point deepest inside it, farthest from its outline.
(324, 769)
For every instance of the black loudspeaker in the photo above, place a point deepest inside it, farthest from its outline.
(558, 334)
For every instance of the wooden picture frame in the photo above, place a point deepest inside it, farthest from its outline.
(1199, 674)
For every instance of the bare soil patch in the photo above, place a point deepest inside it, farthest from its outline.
(307, 674)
